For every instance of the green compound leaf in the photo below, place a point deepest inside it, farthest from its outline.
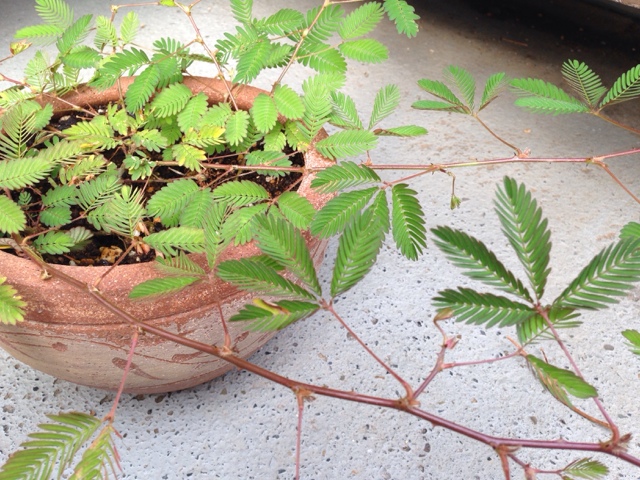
(252, 61)
(344, 112)
(190, 118)
(55, 12)
(585, 468)
(106, 34)
(11, 304)
(213, 222)
(438, 89)
(20, 173)
(240, 193)
(129, 27)
(98, 191)
(100, 457)
(403, 131)
(241, 10)
(626, 87)
(584, 81)
(170, 241)
(12, 218)
(181, 265)
(327, 22)
(565, 379)
(317, 107)
(492, 88)
(256, 276)
(631, 229)
(297, 209)
(161, 286)
(609, 275)
(142, 88)
(634, 340)
(120, 214)
(288, 102)
(380, 209)
(322, 57)
(172, 198)
(477, 261)
(281, 241)
(543, 97)
(170, 100)
(265, 316)
(338, 211)
(347, 143)
(357, 251)
(536, 327)
(386, 101)
(81, 57)
(464, 82)
(342, 176)
(196, 210)
(364, 50)
(188, 156)
(74, 34)
(54, 243)
(407, 221)
(485, 309)
(282, 22)
(403, 15)
(527, 231)
(240, 225)
(56, 216)
(264, 113)
(361, 21)
(237, 127)
(40, 34)
(55, 443)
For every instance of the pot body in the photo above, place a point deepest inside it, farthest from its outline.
(68, 334)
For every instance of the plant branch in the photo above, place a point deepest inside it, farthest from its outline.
(612, 426)
(403, 382)
(125, 373)
(606, 118)
(397, 404)
(496, 136)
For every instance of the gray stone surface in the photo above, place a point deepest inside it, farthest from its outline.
(243, 427)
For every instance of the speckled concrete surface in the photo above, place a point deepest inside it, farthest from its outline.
(242, 427)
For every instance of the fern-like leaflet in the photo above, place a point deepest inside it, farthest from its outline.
(407, 221)
(626, 87)
(478, 261)
(342, 176)
(527, 231)
(11, 304)
(255, 276)
(55, 443)
(268, 316)
(285, 244)
(584, 81)
(609, 275)
(403, 15)
(357, 251)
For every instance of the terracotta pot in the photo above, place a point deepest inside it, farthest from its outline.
(69, 335)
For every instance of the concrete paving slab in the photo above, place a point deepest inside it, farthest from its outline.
(243, 427)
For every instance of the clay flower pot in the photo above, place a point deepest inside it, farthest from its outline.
(69, 335)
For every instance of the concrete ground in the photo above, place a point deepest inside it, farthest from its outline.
(242, 427)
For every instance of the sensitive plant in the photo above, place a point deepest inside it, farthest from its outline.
(363, 216)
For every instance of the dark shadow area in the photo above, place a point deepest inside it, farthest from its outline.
(573, 24)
